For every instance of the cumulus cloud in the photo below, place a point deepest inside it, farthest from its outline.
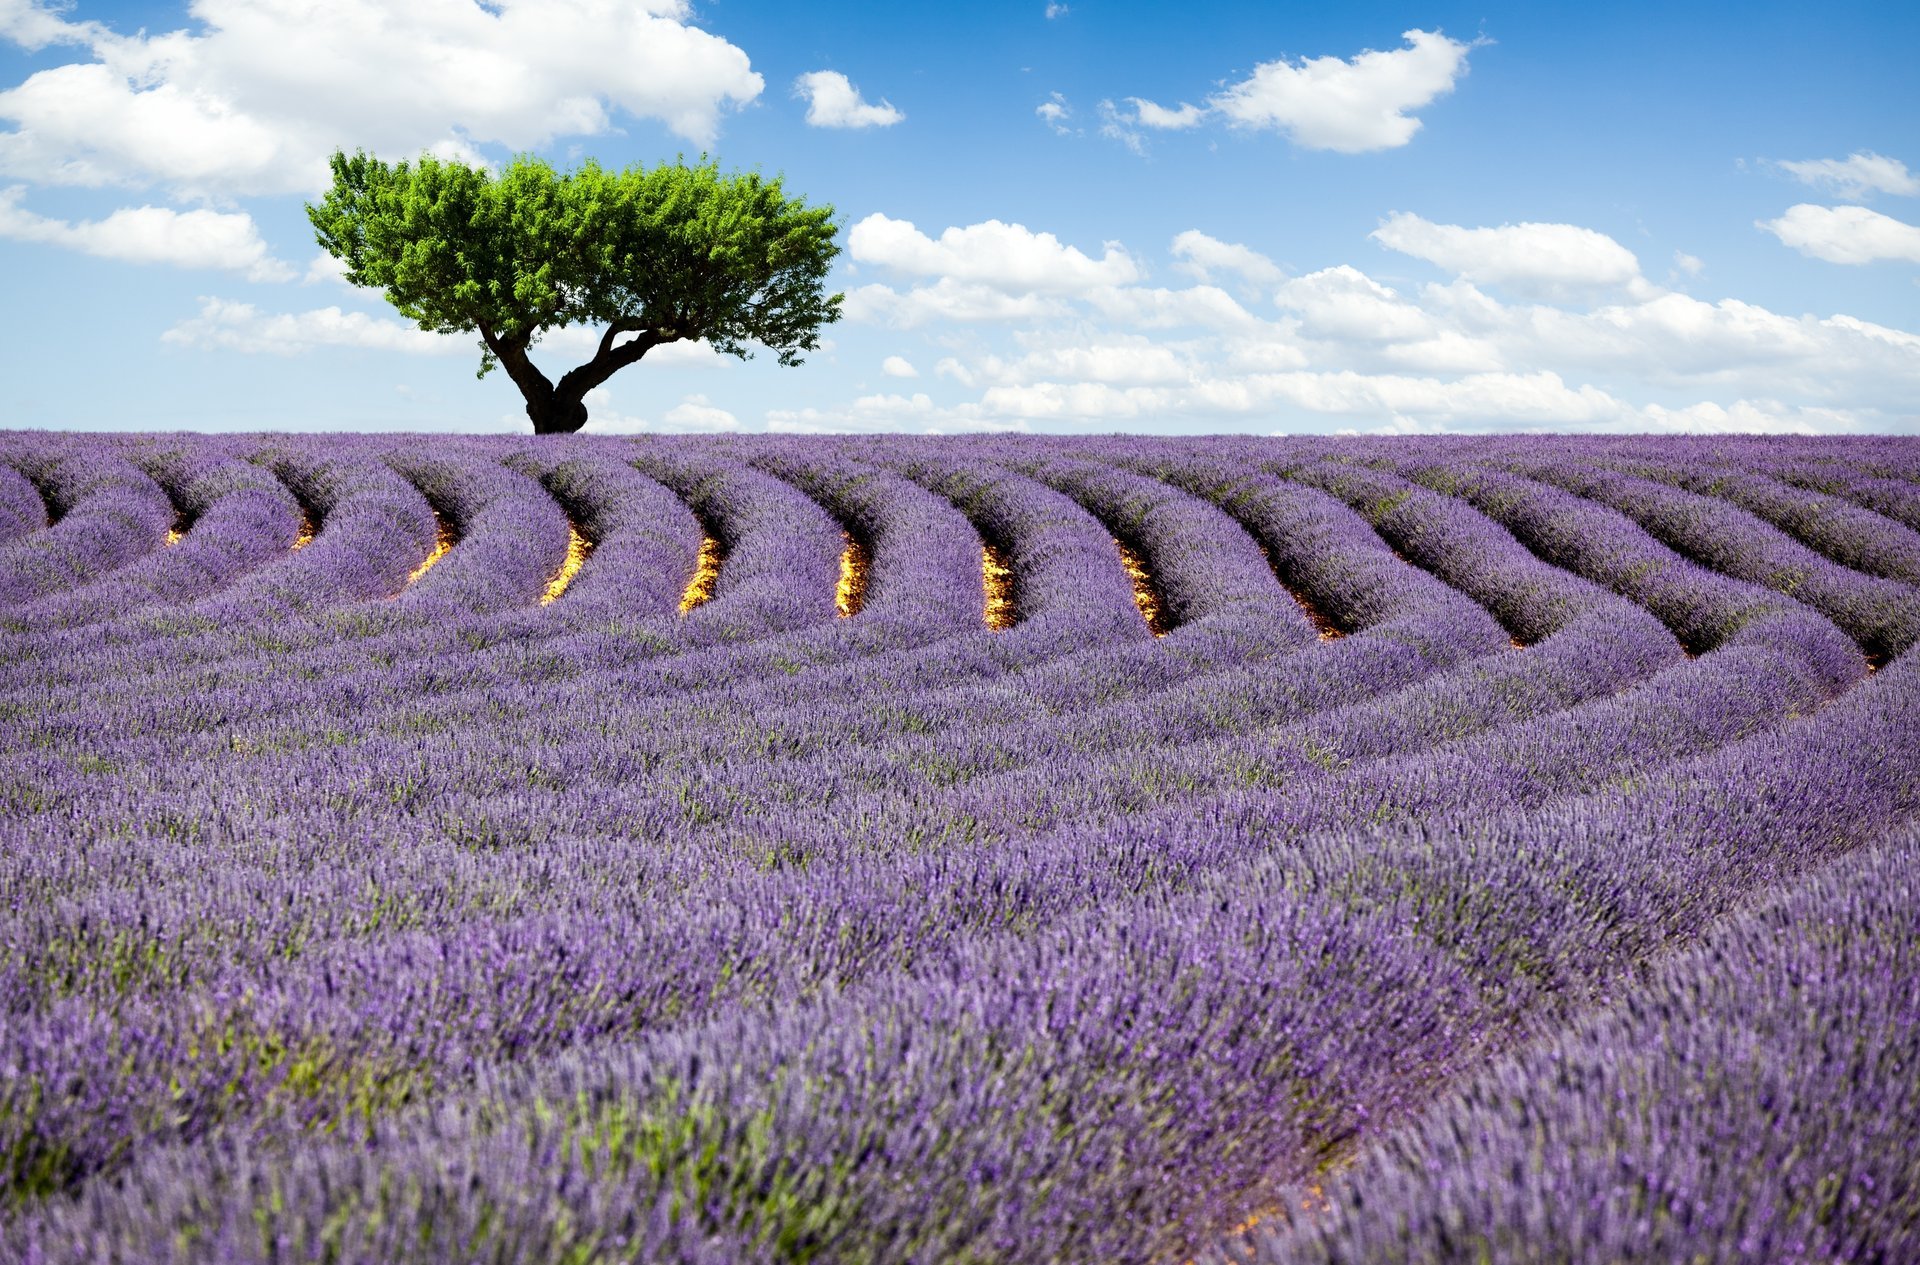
(1344, 304)
(1546, 260)
(1121, 359)
(898, 367)
(944, 300)
(1579, 339)
(1055, 112)
(1056, 10)
(1846, 234)
(152, 235)
(34, 26)
(697, 412)
(1857, 176)
(886, 412)
(1116, 126)
(1005, 256)
(1353, 106)
(833, 101)
(1748, 417)
(1158, 307)
(254, 99)
(226, 325)
(1147, 114)
(1539, 399)
(1201, 256)
(325, 267)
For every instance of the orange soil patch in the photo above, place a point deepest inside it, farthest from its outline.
(307, 530)
(578, 548)
(1145, 595)
(855, 562)
(705, 573)
(996, 577)
(444, 539)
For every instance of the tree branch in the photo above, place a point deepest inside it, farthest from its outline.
(512, 355)
(613, 331)
(577, 382)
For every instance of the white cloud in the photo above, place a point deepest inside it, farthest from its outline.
(1055, 112)
(898, 367)
(875, 413)
(833, 101)
(1200, 256)
(1344, 304)
(1692, 265)
(1004, 256)
(1056, 10)
(325, 267)
(944, 300)
(1347, 347)
(1749, 417)
(254, 98)
(1846, 234)
(604, 419)
(694, 412)
(1856, 176)
(152, 235)
(1674, 340)
(1120, 359)
(1148, 307)
(1147, 114)
(1348, 106)
(697, 412)
(1534, 259)
(1114, 125)
(34, 26)
(1539, 399)
(230, 326)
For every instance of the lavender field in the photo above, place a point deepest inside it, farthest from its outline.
(892, 849)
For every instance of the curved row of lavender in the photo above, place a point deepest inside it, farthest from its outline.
(989, 849)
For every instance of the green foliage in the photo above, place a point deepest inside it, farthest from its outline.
(655, 255)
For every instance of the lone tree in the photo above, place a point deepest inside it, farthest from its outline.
(654, 255)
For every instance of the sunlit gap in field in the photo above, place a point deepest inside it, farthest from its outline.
(706, 573)
(307, 530)
(579, 547)
(1153, 607)
(181, 522)
(996, 577)
(850, 594)
(1313, 1200)
(444, 539)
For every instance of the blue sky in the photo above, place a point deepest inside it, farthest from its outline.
(1070, 217)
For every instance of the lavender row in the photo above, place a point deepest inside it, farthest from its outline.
(1509, 770)
(22, 509)
(1839, 529)
(1883, 616)
(107, 513)
(1704, 608)
(1171, 1056)
(1756, 1100)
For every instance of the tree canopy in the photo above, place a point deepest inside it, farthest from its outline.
(655, 255)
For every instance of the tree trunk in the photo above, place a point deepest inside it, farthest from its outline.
(554, 415)
(561, 409)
